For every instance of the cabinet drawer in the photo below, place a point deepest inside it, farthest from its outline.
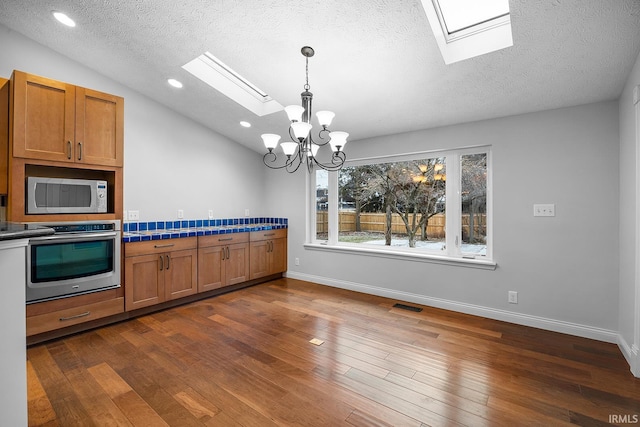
(257, 236)
(222, 239)
(72, 316)
(159, 246)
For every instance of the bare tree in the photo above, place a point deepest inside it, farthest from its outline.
(474, 191)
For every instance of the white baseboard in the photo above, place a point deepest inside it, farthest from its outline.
(631, 353)
(491, 313)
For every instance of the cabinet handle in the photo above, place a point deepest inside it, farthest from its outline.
(79, 150)
(227, 252)
(225, 240)
(168, 261)
(270, 246)
(223, 254)
(69, 150)
(269, 234)
(86, 313)
(163, 246)
(161, 263)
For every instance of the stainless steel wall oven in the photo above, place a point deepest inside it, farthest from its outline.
(80, 257)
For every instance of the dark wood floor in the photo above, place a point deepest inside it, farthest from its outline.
(244, 359)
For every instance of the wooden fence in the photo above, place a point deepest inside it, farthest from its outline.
(375, 223)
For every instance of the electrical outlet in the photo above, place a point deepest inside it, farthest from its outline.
(297, 261)
(210, 213)
(513, 297)
(544, 210)
(134, 215)
(246, 212)
(180, 214)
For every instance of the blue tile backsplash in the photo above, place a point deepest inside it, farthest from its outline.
(160, 230)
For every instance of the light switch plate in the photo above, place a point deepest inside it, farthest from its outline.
(134, 215)
(544, 210)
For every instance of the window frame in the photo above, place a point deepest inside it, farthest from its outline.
(453, 228)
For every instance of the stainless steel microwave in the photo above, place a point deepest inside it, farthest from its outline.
(63, 195)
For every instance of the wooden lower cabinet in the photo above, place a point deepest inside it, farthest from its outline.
(51, 315)
(223, 260)
(268, 253)
(159, 270)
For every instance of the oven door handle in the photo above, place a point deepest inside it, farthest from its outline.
(74, 237)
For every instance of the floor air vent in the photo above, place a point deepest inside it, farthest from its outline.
(408, 307)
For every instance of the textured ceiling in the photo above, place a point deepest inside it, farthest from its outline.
(377, 65)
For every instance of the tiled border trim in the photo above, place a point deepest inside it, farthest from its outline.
(161, 230)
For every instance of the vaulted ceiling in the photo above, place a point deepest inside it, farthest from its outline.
(377, 65)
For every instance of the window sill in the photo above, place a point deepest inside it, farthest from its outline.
(405, 255)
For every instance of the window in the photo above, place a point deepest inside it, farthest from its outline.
(429, 204)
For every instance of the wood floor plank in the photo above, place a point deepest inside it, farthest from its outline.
(109, 380)
(39, 407)
(244, 359)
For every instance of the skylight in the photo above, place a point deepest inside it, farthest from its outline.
(467, 28)
(461, 14)
(221, 77)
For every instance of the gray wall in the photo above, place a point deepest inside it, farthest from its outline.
(564, 268)
(171, 162)
(629, 302)
(569, 270)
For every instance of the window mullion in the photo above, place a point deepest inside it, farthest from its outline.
(333, 208)
(310, 210)
(453, 205)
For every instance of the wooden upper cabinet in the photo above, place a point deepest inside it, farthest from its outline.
(99, 128)
(60, 122)
(4, 136)
(43, 118)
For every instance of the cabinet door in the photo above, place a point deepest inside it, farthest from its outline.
(237, 264)
(99, 128)
(180, 272)
(210, 268)
(144, 281)
(259, 259)
(43, 118)
(278, 256)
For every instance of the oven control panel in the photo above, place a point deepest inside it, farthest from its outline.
(83, 227)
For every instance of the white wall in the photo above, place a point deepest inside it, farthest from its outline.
(171, 162)
(565, 268)
(629, 303)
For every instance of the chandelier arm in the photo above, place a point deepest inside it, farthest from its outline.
(336, 163)
(338, 158)
(289, 165)
(323, 140)
(275, 157)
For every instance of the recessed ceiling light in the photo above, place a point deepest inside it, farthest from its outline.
(174, 83)
(245, 124)
(61, 17)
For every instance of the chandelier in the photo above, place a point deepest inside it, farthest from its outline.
(303, 147)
